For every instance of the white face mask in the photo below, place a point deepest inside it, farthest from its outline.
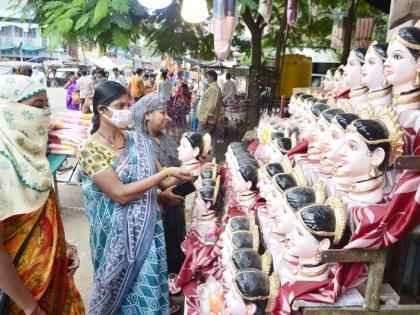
(120, 118)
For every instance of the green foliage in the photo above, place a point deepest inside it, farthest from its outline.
(102, 22)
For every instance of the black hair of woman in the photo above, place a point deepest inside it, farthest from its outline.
(284, 181)
(250, 173)
(319, 218)
(273, 169)
(411, 35)
(329, 114)
(360, 54)
(381, 49)
(253, 283)
(317, 109)
(345, 119)
(196, 140)
(299, 197)
(105, 93)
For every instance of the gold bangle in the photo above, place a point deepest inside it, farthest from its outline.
(168, 173)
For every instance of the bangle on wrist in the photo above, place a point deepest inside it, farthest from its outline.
(168, 173)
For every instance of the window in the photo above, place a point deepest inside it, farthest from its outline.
(18, 32)
(32, 33)
(7, 30)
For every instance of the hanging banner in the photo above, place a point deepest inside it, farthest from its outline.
(225, 19)
(292, 12)
(364, 30)
(338, 30)
(265, 9)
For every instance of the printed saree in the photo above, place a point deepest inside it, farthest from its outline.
(43, 266)
(127, 241)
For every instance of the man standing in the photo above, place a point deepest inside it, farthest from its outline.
(229, 90)
(208, 110)
(84, 86)
(136, 85)
(164, 87)
(117, 76)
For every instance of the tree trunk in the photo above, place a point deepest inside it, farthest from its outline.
(281, 43)
(256, 28)
(351, 12)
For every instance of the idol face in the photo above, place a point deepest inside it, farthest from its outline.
(372, 73)
(328, 84)
(400, 66)
(336, 140)
(320, 134)
(301, 243)
(185, 150)
(240, 186)
(356, 156)
(352, 70)
(308, 127)
(264, 185)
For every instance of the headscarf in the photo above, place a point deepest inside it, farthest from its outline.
(166, 152)
(25, 180)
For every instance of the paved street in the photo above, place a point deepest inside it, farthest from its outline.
(75, 221)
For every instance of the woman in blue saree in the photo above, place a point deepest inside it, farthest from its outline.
(119, 184)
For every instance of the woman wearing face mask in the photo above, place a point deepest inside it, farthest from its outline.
(36, 263)
(151, 119)
(119, 184)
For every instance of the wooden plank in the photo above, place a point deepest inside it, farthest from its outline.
(374, 282)
(383, 310)
(407, 162)
(349, 255)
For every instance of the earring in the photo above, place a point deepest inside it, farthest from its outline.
(385, 82)
(417, 79)
(318, 255)
(373, 172)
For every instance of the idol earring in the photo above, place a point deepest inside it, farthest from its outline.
(373, 172)
(417, 79)
(318, 255)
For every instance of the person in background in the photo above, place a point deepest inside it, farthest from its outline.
(84, 86)
(71, 87)
(51, 77)
(180, 108)
(136, 85)
(209, 108)
(148, 87)
(117, 76)
(101, 77)
(229, 90)
(36, 263)
(164, 87)
(120, 194)
(153, 80)
(39, 76)
(150, 117)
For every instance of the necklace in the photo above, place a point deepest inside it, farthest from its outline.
(309, 274)
(364, 191)
(358, 92)
(397, 101)
(112, 143)
(375, 95)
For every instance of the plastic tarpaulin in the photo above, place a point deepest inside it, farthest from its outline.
(104, 63)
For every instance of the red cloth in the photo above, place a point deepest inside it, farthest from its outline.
(343, 95)
(252, 147)
(301, 148)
